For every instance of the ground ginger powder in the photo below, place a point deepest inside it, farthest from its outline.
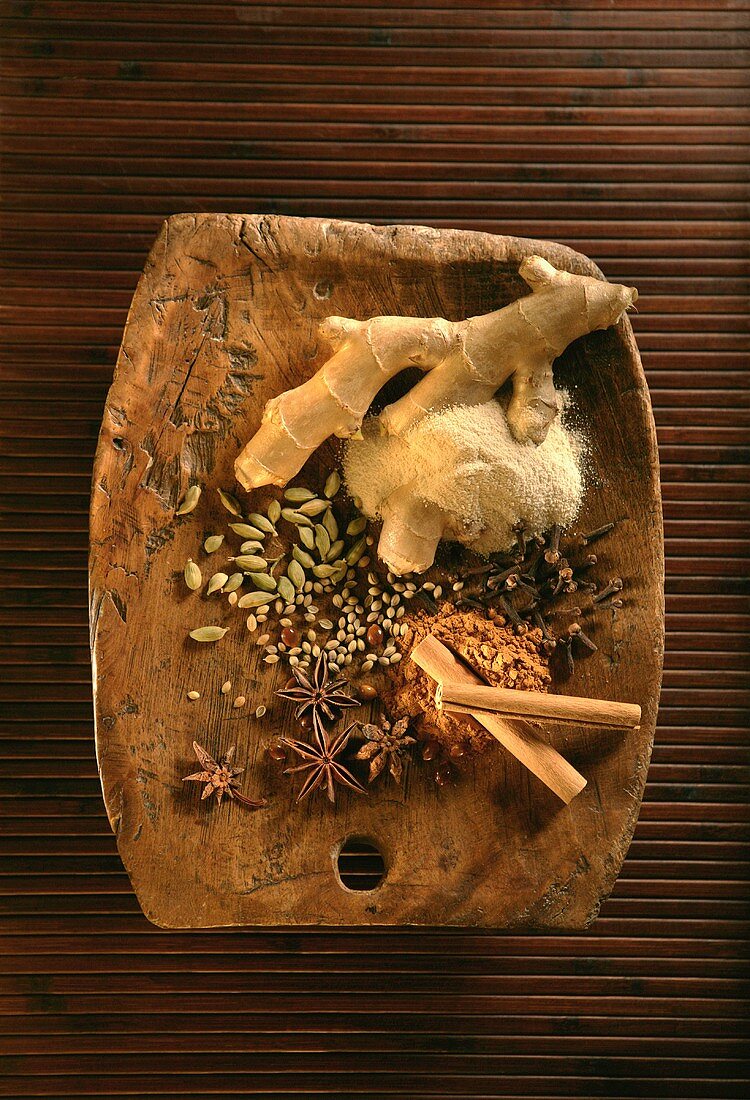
(493, 650)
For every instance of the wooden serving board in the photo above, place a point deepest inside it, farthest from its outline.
(224, 317)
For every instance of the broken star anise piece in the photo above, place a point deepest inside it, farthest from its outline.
(385, 746)
(219, 778)
(320, 761)
(319, 694)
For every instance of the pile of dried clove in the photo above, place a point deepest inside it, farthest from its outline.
(527, 587)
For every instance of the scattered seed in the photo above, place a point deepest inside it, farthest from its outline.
(286, 589)
(190, 500)
(366, 666)
(322, 540)
(298, 495)
(313, 508)
(263, 639)
(230, 503)
(255, 599)
(306, 560)
(395, 658)
(296, 574)
(357, 526)
(246, 531)
(232, 599)
(332, 485)
(217, 581)
(239, 701)
(212, 543)
(335, 551)
(251, 563)
(297, 518)
(193, 576)
(272, 659)
(330, 524)
(193, 695)
(262, 522)
(324, 571)
(263, 581)
(355, 552)
(325, 624)
(260, 711)
(251, 623)
(208, 633)
(226, 687)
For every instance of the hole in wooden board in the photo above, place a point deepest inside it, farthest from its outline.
(359, 864)
(119, 444)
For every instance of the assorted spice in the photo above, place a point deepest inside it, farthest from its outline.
(220, 778)
(317, 604)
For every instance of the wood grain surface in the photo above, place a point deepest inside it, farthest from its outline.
(620, 130)
(227, 316)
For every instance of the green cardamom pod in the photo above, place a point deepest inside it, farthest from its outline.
(263, 523)
(193, 577)
(230, 503)
(208, 633)
(250, 563)
(190, 500)
(264, 581)
(333, 484)
(246, 531)
(217, 581)
(213, 542)
(296, 574)
(298, 495)
(286, 589)
(253, 599)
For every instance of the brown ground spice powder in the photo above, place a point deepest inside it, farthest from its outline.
(500, 656)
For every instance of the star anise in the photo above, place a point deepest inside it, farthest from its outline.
(219, 778)
(385, 746)
(319, 694)
(320, 761)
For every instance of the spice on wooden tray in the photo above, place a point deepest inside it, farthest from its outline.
(497, 653)
(385, 746)
(320, 761)
(319, 695)
(220, 778)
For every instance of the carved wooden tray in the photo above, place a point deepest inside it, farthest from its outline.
(224, 317)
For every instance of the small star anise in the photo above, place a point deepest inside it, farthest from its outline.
(385, 745)
(320, 694)
(320, 760)
(219, 778)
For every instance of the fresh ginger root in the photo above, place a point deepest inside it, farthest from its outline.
(465, 362)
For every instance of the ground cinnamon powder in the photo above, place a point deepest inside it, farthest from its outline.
(500, 656)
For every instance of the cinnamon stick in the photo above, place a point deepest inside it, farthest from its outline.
(517, 737)
(463, 697)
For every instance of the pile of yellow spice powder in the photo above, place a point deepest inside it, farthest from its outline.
(492, 649)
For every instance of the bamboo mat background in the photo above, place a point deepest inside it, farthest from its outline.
(620, 129)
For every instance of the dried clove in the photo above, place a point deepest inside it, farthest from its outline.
(597, 534)
(576, 633)
(614, 586)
